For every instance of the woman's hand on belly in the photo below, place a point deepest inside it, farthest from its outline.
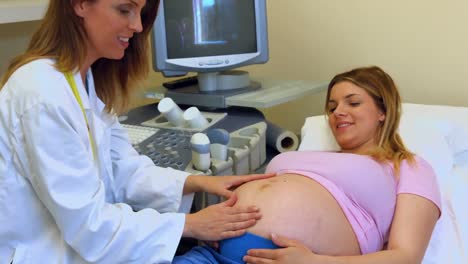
(292, 251)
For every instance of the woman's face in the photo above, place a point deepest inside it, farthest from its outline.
(354, 117)
(109, 25)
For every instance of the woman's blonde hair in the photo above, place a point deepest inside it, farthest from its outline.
(381, 87)
(61, 36)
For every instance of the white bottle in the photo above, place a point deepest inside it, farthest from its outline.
(219, 141)
(169, 109)
(200, 151)
(195, 118)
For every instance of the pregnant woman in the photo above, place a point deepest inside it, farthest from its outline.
(372, 202)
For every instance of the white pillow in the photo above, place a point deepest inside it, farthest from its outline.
(450, 121)
(425, 138)
(316, 135)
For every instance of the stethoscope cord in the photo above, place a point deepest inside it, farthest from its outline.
(72, 83)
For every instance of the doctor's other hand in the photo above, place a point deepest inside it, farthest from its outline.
(292, 251)
(221, 221)
(220, 185)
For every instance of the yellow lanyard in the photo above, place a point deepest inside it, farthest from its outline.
(71, 82)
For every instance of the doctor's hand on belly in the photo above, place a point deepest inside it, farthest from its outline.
(223, 220)
(220, 185)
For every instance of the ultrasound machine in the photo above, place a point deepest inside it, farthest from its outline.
(210, 38)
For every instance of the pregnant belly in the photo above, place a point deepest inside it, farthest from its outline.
(298, 207)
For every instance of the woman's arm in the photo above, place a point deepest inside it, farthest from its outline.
(412, 226)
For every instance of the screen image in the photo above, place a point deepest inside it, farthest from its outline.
(199, 28)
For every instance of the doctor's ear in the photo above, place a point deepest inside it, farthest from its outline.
(382, 117)
(81, 7)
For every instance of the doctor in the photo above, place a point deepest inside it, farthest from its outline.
(72, 188)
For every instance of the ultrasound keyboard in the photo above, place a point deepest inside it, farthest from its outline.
(166, 147)
(138, 134)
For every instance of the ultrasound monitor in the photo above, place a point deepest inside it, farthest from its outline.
(210, 37)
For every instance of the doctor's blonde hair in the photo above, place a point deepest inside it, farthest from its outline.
(62, 37)
(381, 87)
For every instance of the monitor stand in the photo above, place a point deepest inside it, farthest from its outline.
(213, 88)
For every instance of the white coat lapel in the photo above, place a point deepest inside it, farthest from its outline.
(101, 119)
(101, 129)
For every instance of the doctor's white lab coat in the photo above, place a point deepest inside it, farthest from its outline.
(59, 204)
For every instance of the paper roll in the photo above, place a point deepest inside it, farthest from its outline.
(280, 139)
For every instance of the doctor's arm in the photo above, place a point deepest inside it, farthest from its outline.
(141, 184)
(219, 185)
(62, 172)
(414, 220)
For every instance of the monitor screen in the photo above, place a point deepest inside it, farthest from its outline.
(200, 28)
(209, 35)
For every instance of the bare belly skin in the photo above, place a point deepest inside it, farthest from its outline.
(298, 207)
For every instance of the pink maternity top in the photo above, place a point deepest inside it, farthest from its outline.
(365, 189)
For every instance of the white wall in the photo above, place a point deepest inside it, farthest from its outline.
(423, 44)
